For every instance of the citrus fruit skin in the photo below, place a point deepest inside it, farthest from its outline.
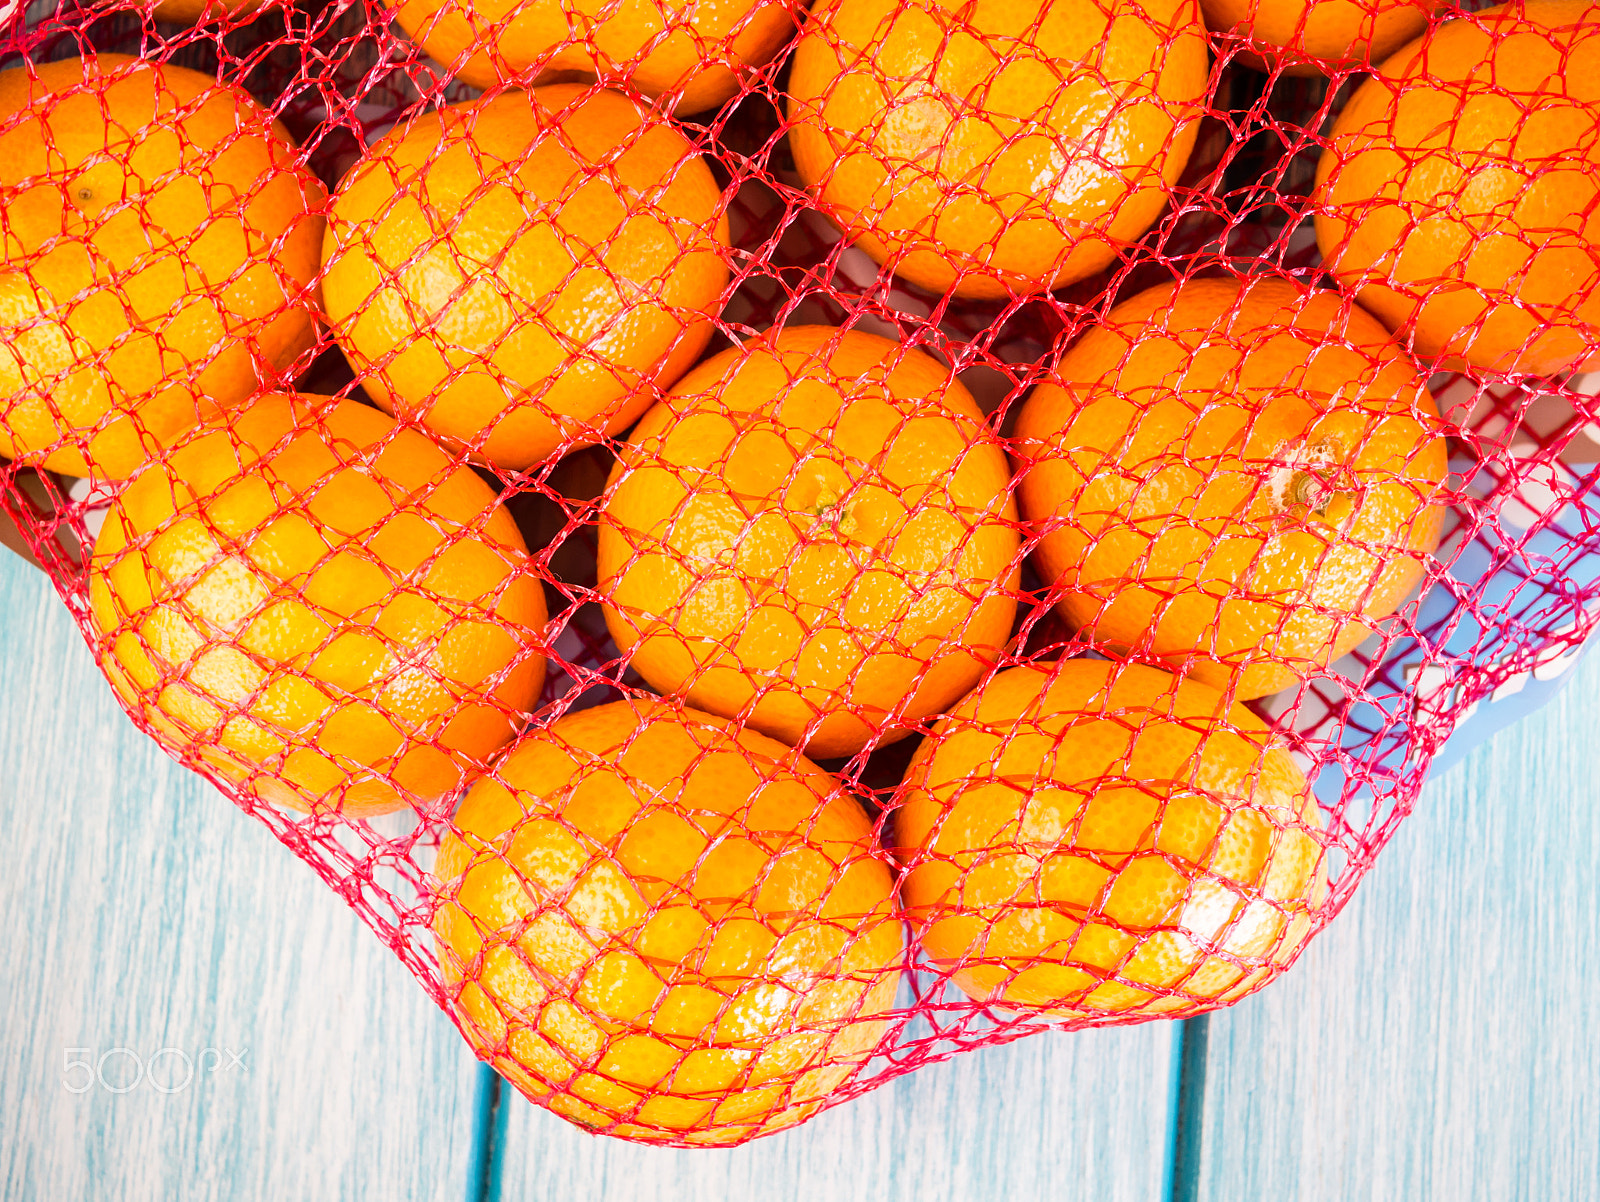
(814, 533)
(325, 609)
(664, 927)
(1098, 840)
(697, 52)
(524, 274)
(1233, 477)
(998, 148)
(1458, 191)
(158, 258)
(193, 12)
(1334, 33)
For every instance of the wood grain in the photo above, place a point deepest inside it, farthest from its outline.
(1058, 1116)
(1438, 1041)
(143, 912)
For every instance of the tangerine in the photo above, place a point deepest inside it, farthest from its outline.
(665, 927)
(996, 148)
(1233, 476)
(1332, 33)
(1459, 194)
(813, 532)
(1093, 840)
(698, 54)
(523, 275)
(158, 258)
(193, 12)
(320, 606)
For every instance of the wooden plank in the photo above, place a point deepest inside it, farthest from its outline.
(1084, 1115)
(144, 912)
(1438, 1040)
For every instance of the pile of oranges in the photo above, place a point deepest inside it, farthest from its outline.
(660, 916)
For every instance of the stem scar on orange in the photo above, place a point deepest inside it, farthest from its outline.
(1233, 476)
(814, 533)
(1460, 190)
(525, 274)
(319, 606)
(158, 258)
(996, 148)
(697, 54)
(1098, 840)
(665, 927)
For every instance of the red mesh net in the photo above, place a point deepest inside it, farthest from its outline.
(861, 534)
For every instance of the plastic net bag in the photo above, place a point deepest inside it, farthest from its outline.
(762, 548)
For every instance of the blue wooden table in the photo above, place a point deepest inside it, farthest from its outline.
(187, 1013)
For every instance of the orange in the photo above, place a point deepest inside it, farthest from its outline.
(666, 928)
(1460, 190)
(1233, 476)
(813, 533)
(1348, 33)
(996, 148)
(523, 275)
(699, 54)
(158, 255)
(1098, 840)
(323, 608)
(192, 12)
